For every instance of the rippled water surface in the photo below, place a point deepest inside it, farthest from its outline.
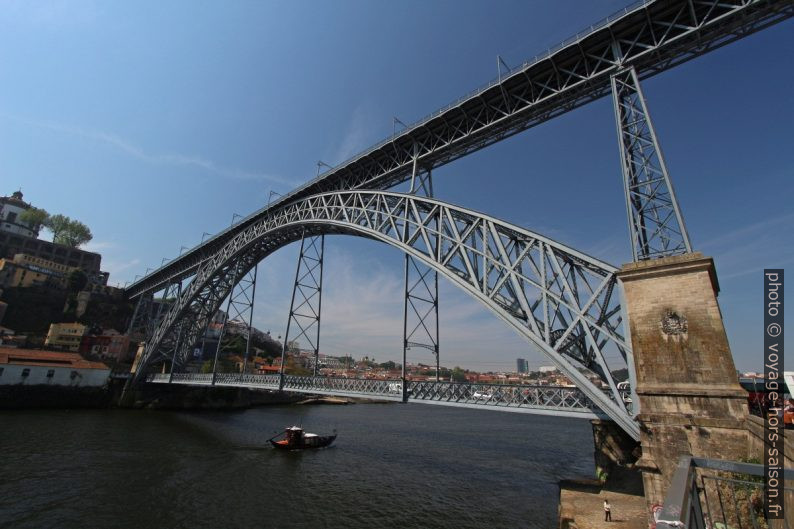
(393, 466)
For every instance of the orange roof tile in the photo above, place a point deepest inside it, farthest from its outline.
(37, 357)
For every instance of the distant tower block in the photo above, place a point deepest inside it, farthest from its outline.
(690, 398)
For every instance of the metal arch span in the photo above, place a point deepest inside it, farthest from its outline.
(563, 301)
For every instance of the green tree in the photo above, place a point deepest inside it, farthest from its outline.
(76, 280)
(56, 224)
(458, 375)
(75, 235)
(67, 231)
(35, 217)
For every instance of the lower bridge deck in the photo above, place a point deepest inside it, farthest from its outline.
(541, 400)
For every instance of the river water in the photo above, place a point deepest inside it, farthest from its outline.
(392, 466)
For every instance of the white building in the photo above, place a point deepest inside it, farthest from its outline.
(10, 210)
(31, 367)
(547, 369)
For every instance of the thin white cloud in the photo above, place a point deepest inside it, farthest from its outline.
(363, 311)
(115, 268)
(752, 248)
(358, 136)
(746, 233)
(170, 159)
(98, 246)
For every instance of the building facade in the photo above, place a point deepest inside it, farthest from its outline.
(12, 244)
(65, 336)
(26, 271)
(34, 367)
(109, 345)
(522, 366)
(11, 208)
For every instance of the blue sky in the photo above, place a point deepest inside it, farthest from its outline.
(155, 122)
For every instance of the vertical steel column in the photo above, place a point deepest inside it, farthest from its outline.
(157, 310)
(308, 290)
(139, 323)
(223, 325)
(421, 287)
(160, 315)
(250, 318)
(656, 225)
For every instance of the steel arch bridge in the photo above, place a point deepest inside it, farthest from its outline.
(564, 302)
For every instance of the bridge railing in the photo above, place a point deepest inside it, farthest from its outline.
(706, 493)
(565, 399)
(247, 379)
(561, 398)
(363, 386)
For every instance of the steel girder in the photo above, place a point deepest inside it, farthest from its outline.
(544, 400)
(559, 299)
(656, 225)
(650, 37)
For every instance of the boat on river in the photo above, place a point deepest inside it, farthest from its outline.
(296, 439)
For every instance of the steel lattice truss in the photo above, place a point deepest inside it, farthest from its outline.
(561, 300)
(307, 295)
(655, 222)
(420, 315)
(551, 400)
(140, 323)
(239, 309)
(650, 37)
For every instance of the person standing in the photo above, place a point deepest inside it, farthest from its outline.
(607, 511)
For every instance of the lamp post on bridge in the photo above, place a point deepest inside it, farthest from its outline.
(321, 163)
(394, 121)
(270, 196)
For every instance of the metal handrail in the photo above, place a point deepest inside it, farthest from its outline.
(682, 505)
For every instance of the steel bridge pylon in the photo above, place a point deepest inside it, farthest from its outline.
(307, 294)
(420, 307)
(656, 225)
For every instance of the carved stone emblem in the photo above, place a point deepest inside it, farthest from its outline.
(674, 324)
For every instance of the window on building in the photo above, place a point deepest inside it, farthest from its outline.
(12, 216)
(1, 371)
(26, 372)
(50, 373)
(74, 375)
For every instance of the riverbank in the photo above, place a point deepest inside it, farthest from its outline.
(40, 396)
(176, 397)
(582, 502)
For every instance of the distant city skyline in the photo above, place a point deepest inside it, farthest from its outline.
(154, 126)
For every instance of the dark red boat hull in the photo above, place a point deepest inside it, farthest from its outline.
(321, 441)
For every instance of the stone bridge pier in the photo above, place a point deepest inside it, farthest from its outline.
(690, 399)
